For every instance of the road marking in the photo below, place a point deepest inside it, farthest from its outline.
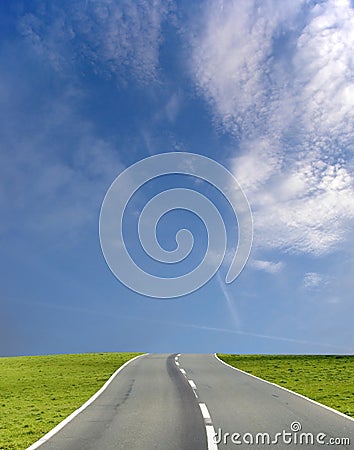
(183, 371)
(210, 431)
(191, 382)
(179, 354)
(209, 428)
(205, 413)
(177, 363)
(285, 389)
(176, 358)
(194, 387)
(68, 419)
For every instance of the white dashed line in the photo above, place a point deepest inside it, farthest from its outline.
(191, 382)
(209, 428)
(194, 387)
(205, 413)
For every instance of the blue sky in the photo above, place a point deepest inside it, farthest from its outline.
(265, 88)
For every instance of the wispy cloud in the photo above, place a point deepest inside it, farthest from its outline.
(312, 280)
(55, 169)
(113, 38)
(271, 337)
(268, 266)
(230, 301)
(279, 78)
(323, 283)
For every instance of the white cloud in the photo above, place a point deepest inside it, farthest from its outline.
(55, 170)
(260, 159)
(173, 106)
(313, 280)
(279, 76)
(308, 208)
(324, 65)
(232, 58)
(111, 37)
(268, 266)
(52, 194)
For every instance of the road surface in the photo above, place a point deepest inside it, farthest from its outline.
(178, 402)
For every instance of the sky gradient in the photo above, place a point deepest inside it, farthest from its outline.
(265, 88)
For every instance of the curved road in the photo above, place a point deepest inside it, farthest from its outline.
(178, 402)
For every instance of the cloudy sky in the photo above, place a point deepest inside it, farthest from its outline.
(265, 88)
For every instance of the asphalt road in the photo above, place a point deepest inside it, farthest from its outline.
(170, 402)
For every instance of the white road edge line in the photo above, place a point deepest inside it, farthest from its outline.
(178, 354)
(68, 419)
(287, 390)
(193, 385)
(210, 431)
(177, 363)
(183, 371)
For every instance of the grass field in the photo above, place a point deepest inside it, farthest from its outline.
(37, 392)
(326, 379)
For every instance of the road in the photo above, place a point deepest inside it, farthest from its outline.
(178, 402)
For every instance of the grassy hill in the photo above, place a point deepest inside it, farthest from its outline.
(38, 392)
(326, 379)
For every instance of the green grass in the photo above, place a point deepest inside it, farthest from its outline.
(326, 379)
(38, 392)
